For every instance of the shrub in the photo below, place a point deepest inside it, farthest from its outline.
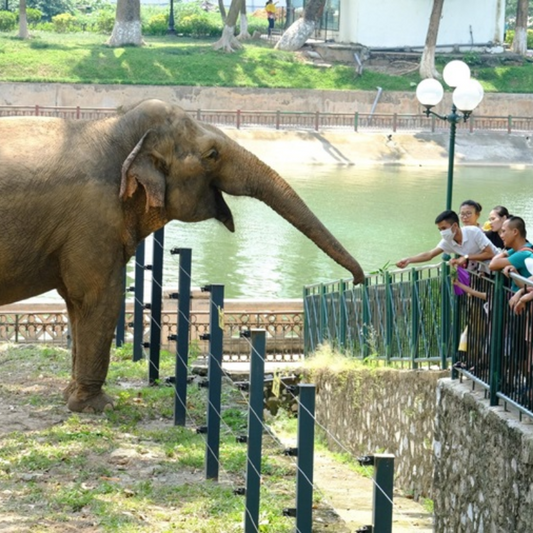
(157, 25)
(33, 16)
(50, 8)
(64, 22)
(8, 21)
(105, 20)
(509, 36)
(45, 26)
(198, 25)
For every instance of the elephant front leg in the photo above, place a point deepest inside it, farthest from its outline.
(94, 329)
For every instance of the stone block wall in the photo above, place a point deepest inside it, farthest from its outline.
(383, 411)
(483, 464)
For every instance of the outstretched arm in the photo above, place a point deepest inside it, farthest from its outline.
(420, 258)
(470, 290)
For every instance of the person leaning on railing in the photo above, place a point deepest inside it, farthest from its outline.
(514, 237)
(469, 243)
(520, 298)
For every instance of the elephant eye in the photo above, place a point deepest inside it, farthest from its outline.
(212, 154)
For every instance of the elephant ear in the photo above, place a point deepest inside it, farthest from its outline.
(139, 168)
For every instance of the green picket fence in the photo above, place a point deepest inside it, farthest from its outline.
(415, 318)
(394, 316)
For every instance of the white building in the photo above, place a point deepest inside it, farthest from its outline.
(404, 23)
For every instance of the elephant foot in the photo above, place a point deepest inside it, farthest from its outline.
(82, 403)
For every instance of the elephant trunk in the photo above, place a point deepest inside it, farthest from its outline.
(256, 179)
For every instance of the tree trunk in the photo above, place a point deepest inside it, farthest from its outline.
(127, 29)
(520, 35)
(427, 63)
(23, 21)
(228, 41)
(244, 34)
(222, 10)
(298, 33)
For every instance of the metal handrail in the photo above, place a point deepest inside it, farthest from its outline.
(305, 120)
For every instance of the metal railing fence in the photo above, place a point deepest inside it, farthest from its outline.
(415, 317)
(287, 120)
(284, 330)
(394, 316)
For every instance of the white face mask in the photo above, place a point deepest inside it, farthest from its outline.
(447, 234)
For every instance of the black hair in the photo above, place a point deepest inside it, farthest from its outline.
(502, 211)
(447, 216)
(519, 224)
(475, 205)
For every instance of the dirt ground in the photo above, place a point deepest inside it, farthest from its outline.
(346, 497)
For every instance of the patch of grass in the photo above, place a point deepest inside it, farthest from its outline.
(128, 470)
(170, 60)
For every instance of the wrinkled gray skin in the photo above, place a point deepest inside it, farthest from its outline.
(76, 197)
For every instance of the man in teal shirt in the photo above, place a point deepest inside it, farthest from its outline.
(514, 237)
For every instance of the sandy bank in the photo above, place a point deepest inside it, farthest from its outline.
(367, 149)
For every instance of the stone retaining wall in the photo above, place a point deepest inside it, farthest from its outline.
(385, 411)
(473, 460)
(483, 464)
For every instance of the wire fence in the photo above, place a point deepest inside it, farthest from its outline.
(289, 120)
(255, 418)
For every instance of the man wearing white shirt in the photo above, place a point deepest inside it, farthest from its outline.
(468, 242)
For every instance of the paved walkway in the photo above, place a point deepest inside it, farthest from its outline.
(345, 490)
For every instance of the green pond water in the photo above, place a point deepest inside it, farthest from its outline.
(379, 214)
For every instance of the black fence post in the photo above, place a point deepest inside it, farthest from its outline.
(214, 376)
(157, 297)
(306, 449)
(138, 304)
(182, 335)
(255, 430)
(383, 488)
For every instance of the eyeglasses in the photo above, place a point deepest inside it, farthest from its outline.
(466, 215)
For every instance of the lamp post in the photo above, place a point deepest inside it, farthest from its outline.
(171, 29)
(467, 95)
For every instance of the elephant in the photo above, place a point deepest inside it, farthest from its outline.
(77, 197)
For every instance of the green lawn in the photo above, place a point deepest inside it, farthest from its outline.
(84, 58)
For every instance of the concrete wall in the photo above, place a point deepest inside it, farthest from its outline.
(475, 461)
(394, 23)
(221, 98)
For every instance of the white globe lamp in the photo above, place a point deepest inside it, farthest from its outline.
(455, 73)
(429, 92)
(467, 96)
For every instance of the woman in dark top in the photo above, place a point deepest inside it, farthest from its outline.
(497, 217)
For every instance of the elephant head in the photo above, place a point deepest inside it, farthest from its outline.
(181, 167)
